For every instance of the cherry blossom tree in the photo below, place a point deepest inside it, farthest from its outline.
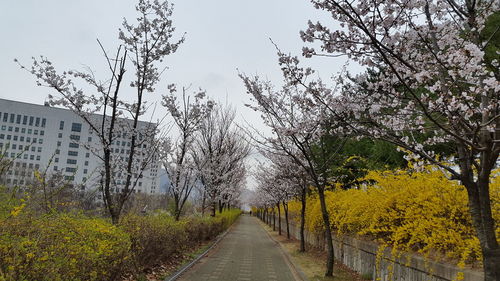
(175, 155)
(100, 103)
(219, 155)
(299, 131)
(427, 83)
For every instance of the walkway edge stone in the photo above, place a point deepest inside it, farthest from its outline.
(177, 274)
(295, 268)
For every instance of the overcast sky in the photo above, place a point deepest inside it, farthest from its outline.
(222, 37)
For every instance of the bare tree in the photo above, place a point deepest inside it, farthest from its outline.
(144, 46)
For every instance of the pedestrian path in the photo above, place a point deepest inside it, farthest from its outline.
(246, 253)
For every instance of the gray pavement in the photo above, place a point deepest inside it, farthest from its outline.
(246, 253)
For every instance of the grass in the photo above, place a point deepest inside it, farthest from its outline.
(312, 262)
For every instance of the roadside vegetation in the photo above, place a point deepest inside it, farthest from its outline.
(76, 246)
(412, 211)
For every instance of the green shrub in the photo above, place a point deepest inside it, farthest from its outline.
(154, 238)
(61, 247)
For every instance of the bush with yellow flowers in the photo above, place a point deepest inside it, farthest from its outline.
(61, 247)
(419, 211)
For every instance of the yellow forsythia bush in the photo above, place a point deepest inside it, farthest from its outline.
(74, 247)
(61, 247)
(419, 211)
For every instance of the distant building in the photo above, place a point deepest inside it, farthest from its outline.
(53, 137)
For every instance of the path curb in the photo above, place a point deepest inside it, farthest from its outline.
(177, 274)
(288, 258)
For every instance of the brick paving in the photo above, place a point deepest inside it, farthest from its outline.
(246, 253)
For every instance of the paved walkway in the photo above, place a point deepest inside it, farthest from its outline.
(245, 254)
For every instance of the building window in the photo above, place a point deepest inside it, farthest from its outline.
(25, 119)
(15, 138)
(43, 122)
(21, 138)
(12, 117)
(58, 143)
(76, 127)
(39, 149)
(38, 157)
(61, 125)
(58, 151)
(16, 129)
(42, 132)
(37, 122)
(71, 170)
(89, 139)
(28, 139)
(23, 130)
(5, 117)
(74, 137)
(9, 137)
(56, 160)
(32, 157)
(59, 135)
(71, 161)
(86, 163)
(31, 120)
(33, 149)
(2, 136)
(40, 141)
(18, 119)
(87, 155)
(55, 168)
(14, 146)
(72, 153)
(10, 128)
(85, 171)
(73, 145)
(35, 132)
(30, 131)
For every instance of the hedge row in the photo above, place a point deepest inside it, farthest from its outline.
(76, 247)
(423, 212)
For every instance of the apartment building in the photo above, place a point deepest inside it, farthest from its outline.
(40, 137)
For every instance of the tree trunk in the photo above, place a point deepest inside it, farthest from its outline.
(303, 201)
(279, 218)
(480, 209)
(274, 220)
(328, 232)
(285, 208)
(214, 208)
(177, 212)
(115, 217)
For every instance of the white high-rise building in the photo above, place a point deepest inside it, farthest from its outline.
(43, 137)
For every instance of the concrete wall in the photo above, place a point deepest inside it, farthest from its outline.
(361, 255)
